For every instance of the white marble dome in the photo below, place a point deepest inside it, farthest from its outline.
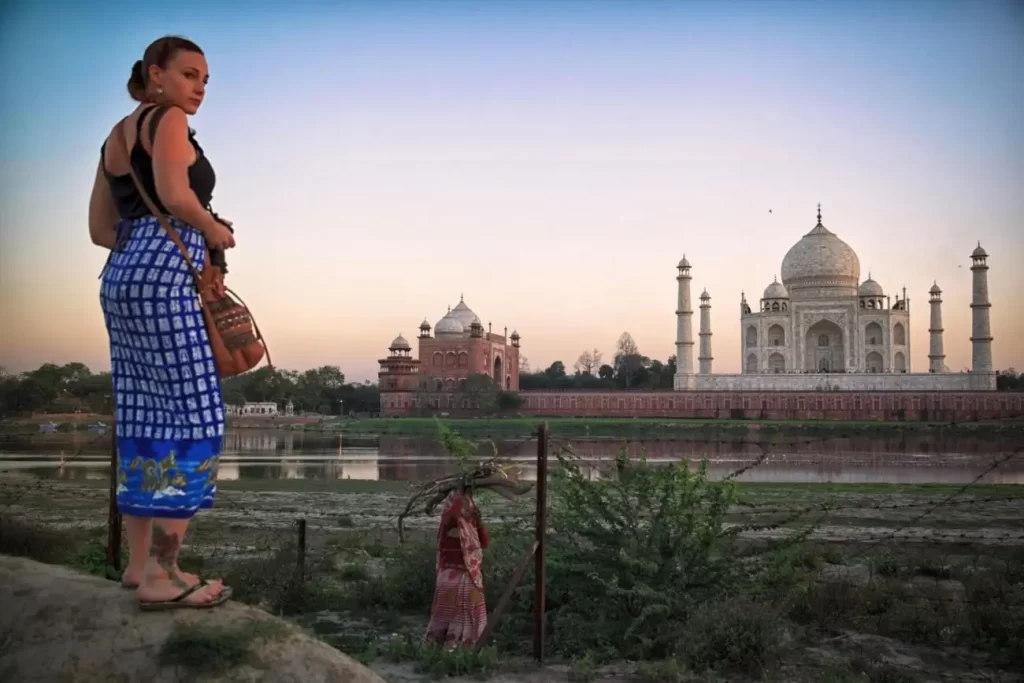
(463, 314)
(776, 290)
(448, 325)
(870, 288)
(821, 260)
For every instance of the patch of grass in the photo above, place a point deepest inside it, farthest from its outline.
(437, 662)
(84, 550)
(665, 671)
(582, 669)
(211, 650)
(354, 572)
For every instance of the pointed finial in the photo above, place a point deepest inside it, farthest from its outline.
(819, 213)
(449, 309)
(775, 279)
(461, 299)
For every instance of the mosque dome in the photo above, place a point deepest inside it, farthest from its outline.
(776, 290)
(820, 260)
(979, 252)
(463, 314)
(870, 288)
(399, 344)
(935, 289)
(448, 325)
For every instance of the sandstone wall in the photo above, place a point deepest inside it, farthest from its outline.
(778, 405)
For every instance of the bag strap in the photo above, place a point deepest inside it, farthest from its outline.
(159, 215)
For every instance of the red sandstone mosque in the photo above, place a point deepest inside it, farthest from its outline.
(458, 349)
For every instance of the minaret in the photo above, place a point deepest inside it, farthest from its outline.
(981, 331)
(705, 357)
(936, 357)
(684, 325)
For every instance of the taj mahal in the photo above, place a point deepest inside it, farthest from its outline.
(821, 328)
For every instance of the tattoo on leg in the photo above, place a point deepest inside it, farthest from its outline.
(164, 549)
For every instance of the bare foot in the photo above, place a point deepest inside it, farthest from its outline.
(163, 590)
(134, 580)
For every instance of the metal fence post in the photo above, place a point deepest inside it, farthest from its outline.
(539, 601)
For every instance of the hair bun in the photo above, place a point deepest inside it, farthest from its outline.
(137, 71)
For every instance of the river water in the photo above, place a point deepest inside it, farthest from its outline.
(253, 454)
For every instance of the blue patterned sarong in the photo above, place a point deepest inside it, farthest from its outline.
(169, 414)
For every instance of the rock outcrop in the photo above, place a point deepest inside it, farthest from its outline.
(60, 625)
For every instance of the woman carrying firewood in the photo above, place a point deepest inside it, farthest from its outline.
(459, 613)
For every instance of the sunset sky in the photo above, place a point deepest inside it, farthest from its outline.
(552, 161)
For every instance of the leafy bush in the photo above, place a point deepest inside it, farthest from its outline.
(639, 554)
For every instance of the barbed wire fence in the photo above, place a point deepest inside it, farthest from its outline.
(285, 552)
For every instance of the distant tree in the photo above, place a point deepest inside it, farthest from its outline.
(587, 361)
(630, 366)
(556, 370)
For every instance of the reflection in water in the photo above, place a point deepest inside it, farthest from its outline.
(284, 454)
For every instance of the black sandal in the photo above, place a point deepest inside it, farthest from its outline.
(179, 602)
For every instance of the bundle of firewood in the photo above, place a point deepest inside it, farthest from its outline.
(489, 475)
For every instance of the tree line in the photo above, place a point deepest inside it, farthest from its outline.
(629, 369)
(73, 387)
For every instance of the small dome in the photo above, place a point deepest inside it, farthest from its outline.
(515, 335)
(399, 343)
(424, 325)
(870, 288)
(704, 296)
(476, 322)
(683, 263)
(776, 290)
(935, 289)
(979, 252)
(448, 325)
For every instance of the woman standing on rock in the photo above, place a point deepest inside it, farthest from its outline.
(169, 411)
(459, 613)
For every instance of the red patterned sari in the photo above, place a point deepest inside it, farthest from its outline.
(459, 613)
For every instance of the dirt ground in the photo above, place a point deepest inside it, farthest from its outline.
(251, 517)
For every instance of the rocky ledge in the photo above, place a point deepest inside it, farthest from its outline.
(60, 625)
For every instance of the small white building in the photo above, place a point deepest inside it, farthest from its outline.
(260, 409)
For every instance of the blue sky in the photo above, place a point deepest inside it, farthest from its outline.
(550, 160)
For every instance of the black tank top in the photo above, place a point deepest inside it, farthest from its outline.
(201, 177)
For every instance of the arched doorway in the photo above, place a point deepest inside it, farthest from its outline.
(498, 373)
(824, 348)
(751, 365)
(873, 334)
(777, 363)
(873, 362)
(899, 362)
(899, 335)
